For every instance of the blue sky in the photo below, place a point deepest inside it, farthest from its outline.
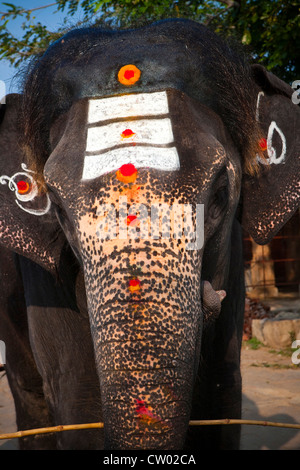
(46, 16)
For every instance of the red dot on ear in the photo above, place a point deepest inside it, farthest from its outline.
(263, 144)
(23, 186)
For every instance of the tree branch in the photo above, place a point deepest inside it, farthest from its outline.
(229, 3)
(7, 13)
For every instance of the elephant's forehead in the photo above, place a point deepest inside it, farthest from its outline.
(158, 55)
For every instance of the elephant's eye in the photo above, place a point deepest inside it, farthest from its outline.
(221, 195)
(218, 201)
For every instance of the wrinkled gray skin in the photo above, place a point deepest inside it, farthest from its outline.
(148, 361)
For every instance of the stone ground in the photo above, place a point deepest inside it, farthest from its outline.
(271, 392)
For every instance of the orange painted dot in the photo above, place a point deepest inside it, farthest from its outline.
(127, 133)
(23, 187)
(129, 74)
(263, 144)
(134, 285)
(127, 173)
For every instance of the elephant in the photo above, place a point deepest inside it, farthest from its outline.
(130, 164)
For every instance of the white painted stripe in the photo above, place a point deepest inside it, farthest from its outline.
(146, 131)
(115, 107)
(160, 158)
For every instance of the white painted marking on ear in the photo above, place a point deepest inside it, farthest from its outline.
(147, 131)
(271, 150)
(37, 212)
(272, 156)
(28, 196)
(160, 158)
(134, 105)
(260, 94)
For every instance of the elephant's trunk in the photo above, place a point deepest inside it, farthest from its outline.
(144, 300)
(146, 340)
(146, 368)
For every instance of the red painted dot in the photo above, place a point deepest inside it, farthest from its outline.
(132, 219)
(127, 173)
(127, 133)
(134, 285)
(128, 169)
(22, 186)
(129, 74)
(140, 406)
(263, 144)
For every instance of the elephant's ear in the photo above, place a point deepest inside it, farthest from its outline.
(28, 224)
(272, 196)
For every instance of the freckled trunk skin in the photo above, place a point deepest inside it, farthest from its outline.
(145, 348)
(146, 342)
(139, 365)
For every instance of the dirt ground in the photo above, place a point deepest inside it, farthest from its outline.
(271, 392)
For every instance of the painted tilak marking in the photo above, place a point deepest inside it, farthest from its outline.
(129, 74)
(134, 286)
(144, 131)
(132, 221)
(25, 188)
(146, 415)
(127, 134)
(266, 144)
(159, 158)
(134, 105)
(127, 173)
(146, 143)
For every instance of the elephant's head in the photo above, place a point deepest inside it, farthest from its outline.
(147, 146)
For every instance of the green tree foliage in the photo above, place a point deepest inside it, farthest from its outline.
(269, 29)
